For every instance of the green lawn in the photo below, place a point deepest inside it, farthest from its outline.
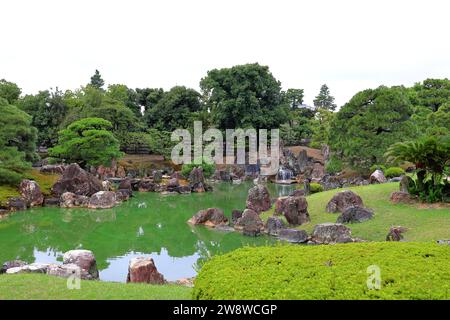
(423, 224)
(43, 287)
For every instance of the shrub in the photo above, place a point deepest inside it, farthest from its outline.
(377, 167)
(315, 187)
(394, 172)
(408, 271)
(208, 169)
(334, 165)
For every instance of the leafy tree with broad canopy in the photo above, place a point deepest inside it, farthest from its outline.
(369, 123)
(244, 96)
(88, 141)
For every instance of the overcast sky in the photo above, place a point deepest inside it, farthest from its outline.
(349, 45)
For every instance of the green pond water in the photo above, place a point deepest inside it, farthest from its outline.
(149, 224)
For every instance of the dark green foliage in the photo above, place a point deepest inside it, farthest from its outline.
(369, 123)
(9, 91)
(431, 156)
(324, 99)
(334, 165)
(208, 169)
(97, 81)
(244, 96)
(149, 97)
(432, 93)
(87, 142)
(394, 172)
(413, 271)
(157, 142)
(128, 97)
(17, 143)
(293, 98)
(174, 110)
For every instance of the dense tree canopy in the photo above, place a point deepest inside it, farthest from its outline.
(97, 81)
(9, 91)
(244, 96)
(88, 141)
(370, 122)
(324, 99)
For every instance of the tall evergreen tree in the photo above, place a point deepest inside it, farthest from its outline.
(97, 81)
(325, 100)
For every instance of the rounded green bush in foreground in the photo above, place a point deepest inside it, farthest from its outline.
(407, 271)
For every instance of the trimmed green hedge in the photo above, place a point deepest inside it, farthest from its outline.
(394, 172)
(408, 271)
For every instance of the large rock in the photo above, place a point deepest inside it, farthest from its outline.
(143, 270)
(29, 268)
(295, 210)
(279, 205)
(123, 194)
(377, 177)
(157, 176)
(103, 200)
(71, 200)
(125, 184)
(53, 169)
(258, 199)
(68, 270)
(173, 184)
(146, 186)
(184, 189)
(326, 233)
(251, 230)
(197, 180)
(343, 200)
(51, 202)
(318, 172)
(274, 225)
(402, 197)
(210, 217)
(16, 204)
(249, 218)
(406, 184)
(12, 264)
(298, 193)
(84, 259)
(293, 235)
(77, 181)
(235, 215)
(355, 215)
(31, 193)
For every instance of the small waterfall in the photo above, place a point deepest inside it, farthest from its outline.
(284, 174)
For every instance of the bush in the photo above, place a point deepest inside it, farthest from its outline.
(208, 169)
(334, 165)
(394, 172)
(377, 167)
(315, 187)
(408, 271)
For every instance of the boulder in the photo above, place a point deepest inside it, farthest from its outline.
(258, 199)
(197, 180)
(31, 193)
(326, 233)
(125, 184)
(143, 270)
(274, 225)
(29, 268)
(318, 172)
(251, 230)
(342, 200)
(16, 204)
(355, 215)
(210, 217)
(121, 172)
(103, 200)
(53, 169)
(249, 217)
(235, 215)
(298, 193)
(396, 233)
(107, 185)
(184, 189)
(293, 235)
(157, 176)
(377, 177)
(123, 194)
(173, 184)
(51, 202)
(84, 259)
(77, 181)
(71, 200)
(406, 184)
(67, 270)
(295, 210)
(12, 264)
(402, 197)
(279, 205)
(146, 186)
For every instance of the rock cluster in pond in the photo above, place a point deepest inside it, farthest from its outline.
(210, 217)
(80, 263)
(258, 199)
(31, 193)
(249, 222)
(143, 270)
(343, 200)
(77, 181)
(295, 210)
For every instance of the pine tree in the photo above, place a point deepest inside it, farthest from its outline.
(324, 100)
(97, 81)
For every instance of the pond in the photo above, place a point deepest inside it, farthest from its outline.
(149, 224)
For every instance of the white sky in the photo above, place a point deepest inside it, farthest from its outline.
(350, 45)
